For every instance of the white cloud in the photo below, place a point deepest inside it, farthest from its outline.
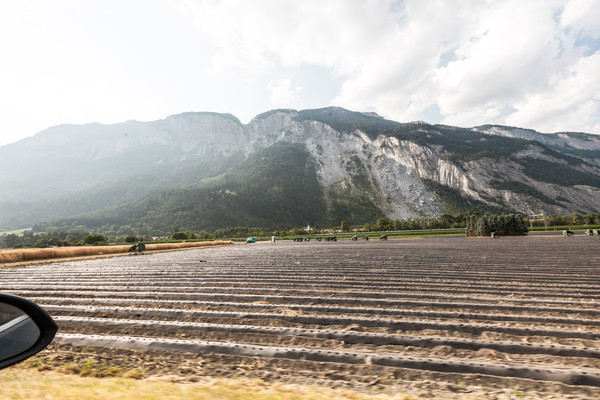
(478, 62)
(251, 33)
(282, 93)
(572, 100)
(514, 52)
(582, 16)
(464, 62)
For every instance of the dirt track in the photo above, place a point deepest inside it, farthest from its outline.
(448, 317)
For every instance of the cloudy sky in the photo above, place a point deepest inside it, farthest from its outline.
(533, 64)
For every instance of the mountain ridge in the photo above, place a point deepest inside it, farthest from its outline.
(361, 161)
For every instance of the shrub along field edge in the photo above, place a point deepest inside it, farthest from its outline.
(24, 255)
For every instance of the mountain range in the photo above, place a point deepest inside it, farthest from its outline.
(288, 168)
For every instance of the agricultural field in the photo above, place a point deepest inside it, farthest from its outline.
(438, 317)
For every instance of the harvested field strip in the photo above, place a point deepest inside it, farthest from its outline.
(341, 289)
(366, 283)
(557, 279)
(353, 275)
(300, 308)
(389, 297)
(329, 299)
(20, 255)
(289, 293)
(396, 324)
(519, 314)
(346, 336)
(431, 364)
(12, 256)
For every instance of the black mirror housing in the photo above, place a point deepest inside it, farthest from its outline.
(25, 331)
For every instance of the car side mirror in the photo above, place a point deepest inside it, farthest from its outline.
(25, 329)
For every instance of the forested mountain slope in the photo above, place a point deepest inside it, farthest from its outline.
(287, 168)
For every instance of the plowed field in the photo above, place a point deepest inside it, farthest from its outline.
(445, 317)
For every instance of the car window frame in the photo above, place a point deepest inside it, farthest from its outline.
(40, 317)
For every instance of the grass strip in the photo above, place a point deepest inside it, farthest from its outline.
(18, 383)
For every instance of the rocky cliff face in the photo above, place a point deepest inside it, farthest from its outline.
(406, 170)
(385, 170)
(395, 169)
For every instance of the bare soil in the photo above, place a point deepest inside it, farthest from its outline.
(432, 317)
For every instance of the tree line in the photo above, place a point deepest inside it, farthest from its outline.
(501, 225)
(30, 239)
(474, 222)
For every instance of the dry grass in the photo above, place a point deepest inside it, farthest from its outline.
(16, 383)
(24, 255)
